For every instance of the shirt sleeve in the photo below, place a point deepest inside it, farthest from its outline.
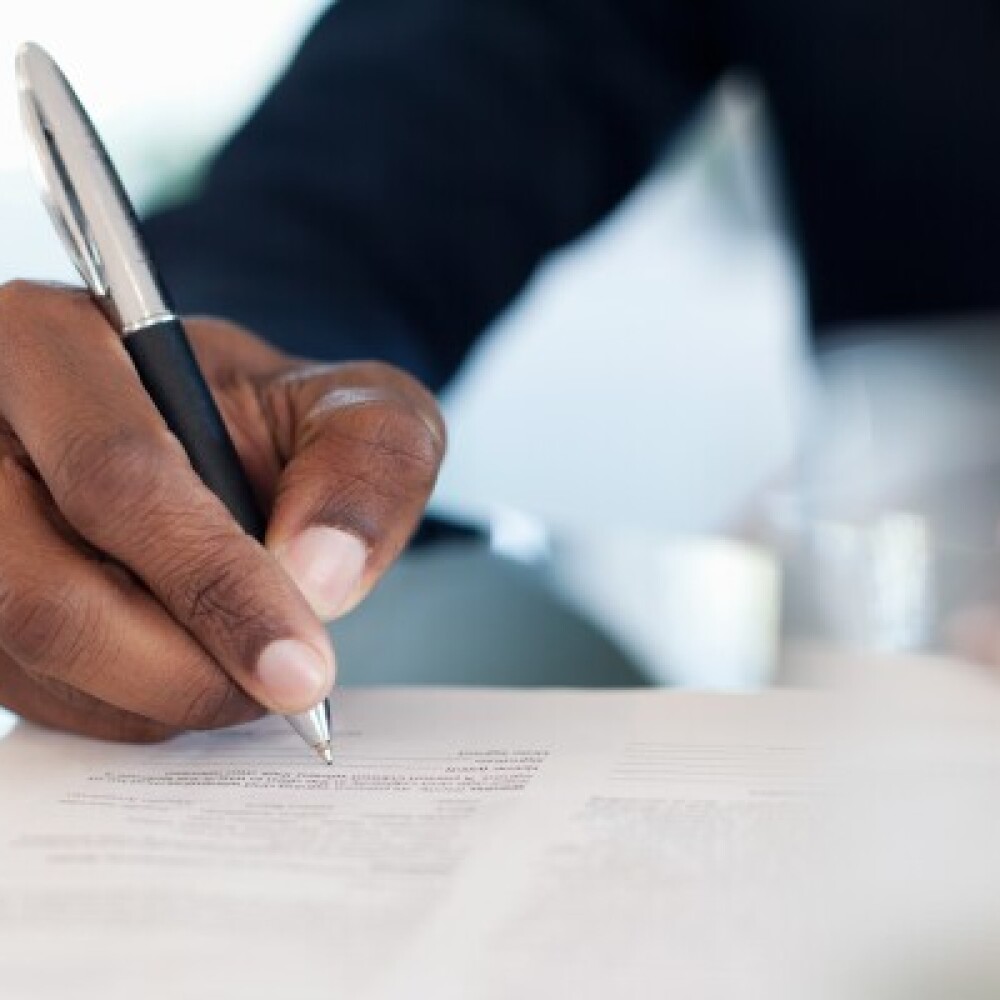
(398, 185)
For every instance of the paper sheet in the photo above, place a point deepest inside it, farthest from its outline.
(465, 844)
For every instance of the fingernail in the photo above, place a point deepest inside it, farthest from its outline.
(295, 677)
(326, 565)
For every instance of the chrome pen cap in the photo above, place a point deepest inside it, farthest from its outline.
(89, 206)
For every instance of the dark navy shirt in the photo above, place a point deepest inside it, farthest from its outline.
(399, 184)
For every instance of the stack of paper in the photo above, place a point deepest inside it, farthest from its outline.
(464, 845)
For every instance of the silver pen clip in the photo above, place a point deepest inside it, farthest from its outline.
(58, 192)
(84, 196)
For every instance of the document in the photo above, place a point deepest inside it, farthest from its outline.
(465, 844)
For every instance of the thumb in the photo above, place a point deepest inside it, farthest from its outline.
(367, 443)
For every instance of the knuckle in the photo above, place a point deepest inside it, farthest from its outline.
(16, 299)
(400, 453)
(397, 447)
(417, 395)
(20, 298)
(19, 294)
(212, 586)
(219, 593)
(14, 292)
(22, 291)
(101, 475)
(373, 385)
(373, 472)
(405, 434)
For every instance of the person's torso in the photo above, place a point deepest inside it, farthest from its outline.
(888, 122)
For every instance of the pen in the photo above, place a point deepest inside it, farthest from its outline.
(99, 228)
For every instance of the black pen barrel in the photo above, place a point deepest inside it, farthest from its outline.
(167, 367)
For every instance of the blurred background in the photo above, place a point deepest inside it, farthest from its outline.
(607, 568)
(693, 272)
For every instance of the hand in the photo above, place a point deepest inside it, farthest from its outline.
(132, 606)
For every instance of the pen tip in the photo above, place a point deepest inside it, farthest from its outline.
(325, 752)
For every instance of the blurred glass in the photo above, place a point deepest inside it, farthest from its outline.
(695, 611)
(889, 536)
